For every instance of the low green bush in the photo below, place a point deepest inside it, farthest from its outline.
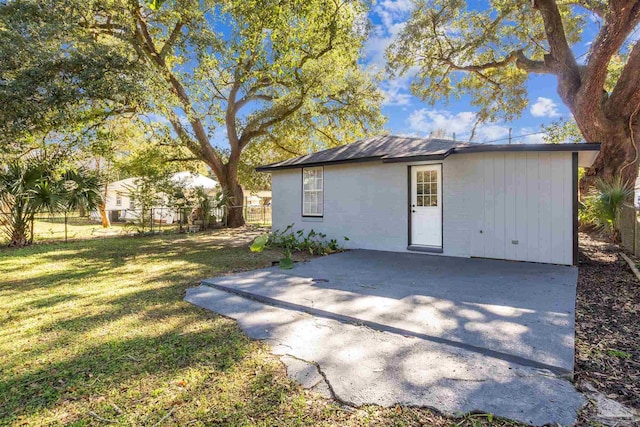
(600, 208)
(290, 241)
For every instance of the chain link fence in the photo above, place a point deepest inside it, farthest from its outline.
(77, 225)
(258, 215)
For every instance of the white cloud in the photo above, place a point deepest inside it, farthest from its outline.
(424, 121)
(393, 16)
(396, 6)
(544, 107)
(395, 91)
(382, 36)
(536, 138)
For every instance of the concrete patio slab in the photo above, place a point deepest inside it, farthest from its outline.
(517, 312)
(365, 366)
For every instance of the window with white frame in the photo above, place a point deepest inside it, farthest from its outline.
(312, 191)
(118, 200)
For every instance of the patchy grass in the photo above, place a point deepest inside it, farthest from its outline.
(51, 229)
(95, 332)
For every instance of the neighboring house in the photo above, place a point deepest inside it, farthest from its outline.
(514, 202)
(121, 206)
(257, 198)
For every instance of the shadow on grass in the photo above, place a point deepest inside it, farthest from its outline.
(52, 300)
(112, 328)
(120, 362)
(208, 254)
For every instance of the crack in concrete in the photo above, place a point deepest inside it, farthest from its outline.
(286, 328)
(334, 395)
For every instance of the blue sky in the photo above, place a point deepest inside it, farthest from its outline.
(409, 115)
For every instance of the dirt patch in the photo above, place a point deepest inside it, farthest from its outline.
(608, 322)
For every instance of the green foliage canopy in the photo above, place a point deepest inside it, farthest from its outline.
(223, 74)
(487, 51)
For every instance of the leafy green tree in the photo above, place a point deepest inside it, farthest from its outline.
(129, 146)
(488, 53)
(36, 184)
(56, 76)
(562, 130)
(223, 74)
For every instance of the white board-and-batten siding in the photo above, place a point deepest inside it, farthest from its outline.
(516, 205)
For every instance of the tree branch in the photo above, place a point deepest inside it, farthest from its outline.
(621, 20)
(275, 142)
(626, 94)
(516, 56)
(173, 37)
(594, 6)
(244, 101)
(526, 64)
(560, 58)
(209, 155)
(183, 159)
(254, 130)
(480, 67)
(332, 33)
(230, 119)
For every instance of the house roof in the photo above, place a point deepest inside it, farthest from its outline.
(186, 178)
(193, 180)
(392, 149)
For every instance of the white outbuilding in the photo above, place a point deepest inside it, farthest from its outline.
(513, 202)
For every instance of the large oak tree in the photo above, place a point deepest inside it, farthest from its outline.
(488, 53)
(229, 74)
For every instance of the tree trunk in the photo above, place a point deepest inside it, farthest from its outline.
(618, 157)
(103, 216)
(230, 187)
(19, 235)
(106, 223)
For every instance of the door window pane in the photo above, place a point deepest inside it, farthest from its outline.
(427, 188)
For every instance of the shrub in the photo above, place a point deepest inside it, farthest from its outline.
(290, 241)
(600, 209)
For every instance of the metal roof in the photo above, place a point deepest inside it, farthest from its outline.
(392, 149)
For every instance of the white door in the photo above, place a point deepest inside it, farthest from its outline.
(426, 205)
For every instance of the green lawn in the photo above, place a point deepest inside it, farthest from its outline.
(52, 228)
(95, 332)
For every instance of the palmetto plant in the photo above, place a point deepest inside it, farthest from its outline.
(606, 202)
(33, 185)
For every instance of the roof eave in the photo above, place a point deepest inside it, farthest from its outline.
(573, 147)
(590, 149)
(269, 168)
(422, 158)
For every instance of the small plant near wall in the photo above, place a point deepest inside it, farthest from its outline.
(289, 241)
(600, 209)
